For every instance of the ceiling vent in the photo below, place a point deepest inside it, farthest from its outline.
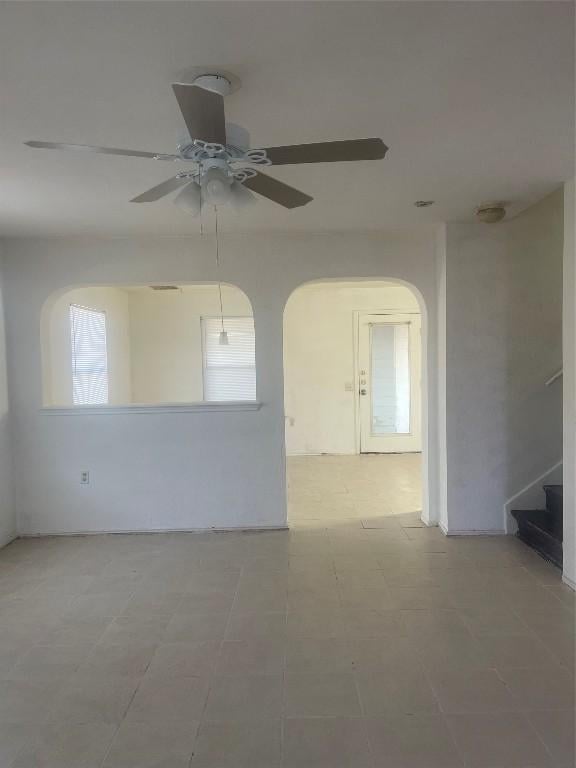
(491, 213)
(164, 287)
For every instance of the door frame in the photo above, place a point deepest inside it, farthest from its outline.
(356, 370)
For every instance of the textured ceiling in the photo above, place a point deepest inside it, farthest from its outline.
(475, 101)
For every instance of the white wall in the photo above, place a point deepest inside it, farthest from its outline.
(181, 470)
(319, 351)
(57, 349)
(441, 448)
(7, 516)
(569, 384)
(166, 339)
(503, 341)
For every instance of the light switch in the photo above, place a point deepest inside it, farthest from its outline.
(348, 386)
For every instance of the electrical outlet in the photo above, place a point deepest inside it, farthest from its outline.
(84, 477)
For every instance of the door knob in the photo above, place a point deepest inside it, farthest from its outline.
(362, 391)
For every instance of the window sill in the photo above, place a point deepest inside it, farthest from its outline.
(122, 410)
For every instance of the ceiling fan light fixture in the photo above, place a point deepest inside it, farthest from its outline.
(216, 186)
(241, 197)
(190, 198)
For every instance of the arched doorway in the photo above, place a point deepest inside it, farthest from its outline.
(353, 391)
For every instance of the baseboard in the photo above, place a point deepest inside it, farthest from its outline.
(8, 538)
(135, 532)
(455, 532)
(304, 454)
(568, 581)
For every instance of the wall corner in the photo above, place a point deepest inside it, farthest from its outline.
(569, 383)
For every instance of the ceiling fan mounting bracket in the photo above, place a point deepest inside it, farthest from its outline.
(216, 83)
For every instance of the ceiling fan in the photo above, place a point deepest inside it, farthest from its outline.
(223, 173)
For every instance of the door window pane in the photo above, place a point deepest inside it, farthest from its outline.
(390, 379)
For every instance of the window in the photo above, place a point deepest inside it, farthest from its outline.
(229, 369)
(390, 378)
(89, 357)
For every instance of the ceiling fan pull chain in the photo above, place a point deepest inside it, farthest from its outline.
(223, 332)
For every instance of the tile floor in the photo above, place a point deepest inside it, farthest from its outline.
(358, 639)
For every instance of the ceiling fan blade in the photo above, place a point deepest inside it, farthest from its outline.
(99, 150)
(328, 152)
(160, 190)
(203, 112)
(276, 191)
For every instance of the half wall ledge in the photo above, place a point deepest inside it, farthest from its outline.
(123, 410)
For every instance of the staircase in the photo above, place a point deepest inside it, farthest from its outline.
(541, 529)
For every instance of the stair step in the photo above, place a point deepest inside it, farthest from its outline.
(538, 528)
(538, 517)
(555, 506)
(556, 487)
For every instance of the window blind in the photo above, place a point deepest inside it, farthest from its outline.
(89, 357)
(229, 369)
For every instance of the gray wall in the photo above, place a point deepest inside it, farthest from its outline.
(7, 519)
(569, 382)
(503, 341)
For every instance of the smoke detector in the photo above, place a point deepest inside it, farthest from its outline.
(491, 213)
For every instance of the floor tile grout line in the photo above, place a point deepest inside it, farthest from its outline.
(202, 719)
(526, 717)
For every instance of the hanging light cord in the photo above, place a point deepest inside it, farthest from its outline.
(218, 268)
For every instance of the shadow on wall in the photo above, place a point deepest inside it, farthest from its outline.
(534, 243)
(504, 340)
(7, 516)
(533, 321)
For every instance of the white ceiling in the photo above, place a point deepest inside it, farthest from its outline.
(475, 101)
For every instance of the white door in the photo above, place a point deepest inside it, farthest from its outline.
(389, 383)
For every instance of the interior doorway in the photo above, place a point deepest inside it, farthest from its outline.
(353, 404)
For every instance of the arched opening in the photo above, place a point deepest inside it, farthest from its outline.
(355, 398)
(148, 345)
